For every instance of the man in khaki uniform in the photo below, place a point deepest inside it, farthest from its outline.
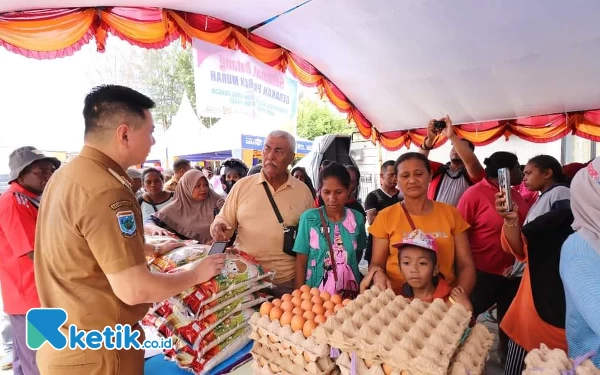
(90, 250)
(180, 167)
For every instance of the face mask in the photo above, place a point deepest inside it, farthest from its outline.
(229, 185)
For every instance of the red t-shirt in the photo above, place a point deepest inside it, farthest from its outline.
(18, 216)
(477, 208)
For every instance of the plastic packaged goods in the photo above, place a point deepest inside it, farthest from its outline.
(189, 360)
(178, 257)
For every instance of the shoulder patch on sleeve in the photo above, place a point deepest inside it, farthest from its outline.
(127, 225)
(119, 204)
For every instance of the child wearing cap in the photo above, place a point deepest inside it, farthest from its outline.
(417, 257)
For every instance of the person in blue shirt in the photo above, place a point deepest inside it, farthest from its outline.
(579, 265)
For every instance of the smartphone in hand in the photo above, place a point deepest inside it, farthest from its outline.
(218, 247)
(505, 187)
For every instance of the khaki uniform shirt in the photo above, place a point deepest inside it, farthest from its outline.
(171, 185)
(89, 225)
(247, 208)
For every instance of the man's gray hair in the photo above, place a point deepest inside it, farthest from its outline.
(283, 134)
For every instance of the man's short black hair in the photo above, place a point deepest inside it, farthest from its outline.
(108, 106)
(386, 164)
(180, 164)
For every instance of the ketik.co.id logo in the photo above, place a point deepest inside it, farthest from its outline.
(43, 325)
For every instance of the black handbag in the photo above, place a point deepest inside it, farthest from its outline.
(289, 232)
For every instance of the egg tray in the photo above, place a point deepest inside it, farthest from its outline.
(470, 358)
(261, 366)
(546, 361)
(364, 367)
(270, 332)
(295, 364)
(412, 335)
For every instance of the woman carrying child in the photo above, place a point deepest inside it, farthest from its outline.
(347, 235)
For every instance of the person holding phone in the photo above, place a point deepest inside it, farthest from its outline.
(537, 313)
(449, 181)
(492, 264)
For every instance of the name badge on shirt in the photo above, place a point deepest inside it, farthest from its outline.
(126, 220)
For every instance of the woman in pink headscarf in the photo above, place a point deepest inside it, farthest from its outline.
(192, 211)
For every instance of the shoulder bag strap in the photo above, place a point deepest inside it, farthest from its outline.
(151, 203)
(329, 245)
(408, 217)
(274, 205)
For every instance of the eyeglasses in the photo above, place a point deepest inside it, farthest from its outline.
(43, 171)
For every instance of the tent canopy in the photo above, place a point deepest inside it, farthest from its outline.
(394, 65)
(185, 132)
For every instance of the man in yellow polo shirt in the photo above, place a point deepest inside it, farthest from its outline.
(248, 210)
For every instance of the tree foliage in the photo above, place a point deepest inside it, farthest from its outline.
(316, 118)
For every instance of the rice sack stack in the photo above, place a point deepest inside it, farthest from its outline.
(381, 333)
(283, 333)
(544, 361)
(209, 322)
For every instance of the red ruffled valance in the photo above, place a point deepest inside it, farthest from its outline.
(53, 33)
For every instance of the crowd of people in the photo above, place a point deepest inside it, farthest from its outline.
(73, 237)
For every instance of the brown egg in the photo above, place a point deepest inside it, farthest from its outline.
(328, 313)
(306, 305)
(275, 313)
(346, 301)
(315, 292)
(276, 302)
(309, 315)
(338, 308)
(318, 309)
(306, 296)
(305, 289)
(319, 319)
(316, 300)
(287, 306)
(296, 293)
(387, 370)
(286, 297)
(261, 361)
(297, 311)
(328, 305)
(274, 368)
(297, 301)
(369, 363)
(307, 357)
(297, 323)
(326, 296)
(308, 328)
(286, 318)
(265, 308)
(336, 299)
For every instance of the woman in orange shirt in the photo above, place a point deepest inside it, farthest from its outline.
(439, 220)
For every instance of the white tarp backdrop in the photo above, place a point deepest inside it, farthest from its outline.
(404, 62)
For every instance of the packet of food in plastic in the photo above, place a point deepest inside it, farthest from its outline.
(201, 365)
(179, 257)
(193, 330)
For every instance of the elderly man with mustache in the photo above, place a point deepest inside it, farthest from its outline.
(257, 205)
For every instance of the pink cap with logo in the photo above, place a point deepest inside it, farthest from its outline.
(419, 239)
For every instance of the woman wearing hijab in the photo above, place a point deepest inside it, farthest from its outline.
(579, 265)
(192, 211)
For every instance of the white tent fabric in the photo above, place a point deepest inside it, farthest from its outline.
(186, 130)
(404, 62)
(226, 135)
